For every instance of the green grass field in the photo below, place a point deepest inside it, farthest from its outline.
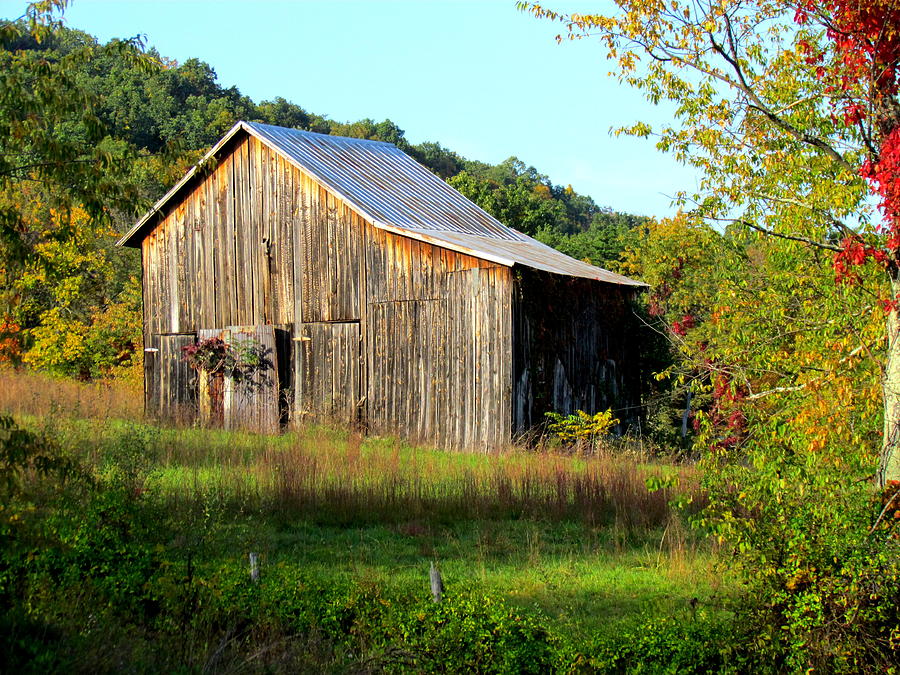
(576, 544)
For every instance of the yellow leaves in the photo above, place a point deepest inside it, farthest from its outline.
(542, 191)
(58, 340)
(581, 425)
(627, 61)
(640, 130)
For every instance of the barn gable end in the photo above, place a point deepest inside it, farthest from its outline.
(387, 321)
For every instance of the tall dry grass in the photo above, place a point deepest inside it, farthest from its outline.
(23, 392)
(333, 477)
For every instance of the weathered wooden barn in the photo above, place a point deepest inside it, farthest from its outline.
(382, 297)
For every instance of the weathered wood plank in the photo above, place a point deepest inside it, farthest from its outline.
(177, 280)
(247, 229)
(329, 371)
(173, 389)
(251, 402)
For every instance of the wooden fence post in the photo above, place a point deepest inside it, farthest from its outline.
(254, 567)
(437, 584)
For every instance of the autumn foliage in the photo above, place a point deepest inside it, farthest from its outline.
(863, 81)
(777, 285)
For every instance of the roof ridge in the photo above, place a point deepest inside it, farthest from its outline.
(318, 134)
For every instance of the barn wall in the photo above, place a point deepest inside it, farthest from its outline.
(576, 347)
(439, 331)
(223, 256)
(386, 331)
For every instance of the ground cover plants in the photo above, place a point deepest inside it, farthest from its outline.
(125, 547)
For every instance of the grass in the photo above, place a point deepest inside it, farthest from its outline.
(585, 580)
(35, 394)
(578, 540)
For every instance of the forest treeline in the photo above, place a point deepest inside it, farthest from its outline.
(123, 123)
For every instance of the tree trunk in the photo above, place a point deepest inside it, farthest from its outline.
(889, 464)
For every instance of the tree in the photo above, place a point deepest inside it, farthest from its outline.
(62, 179)
(787, 330)
(790, 111)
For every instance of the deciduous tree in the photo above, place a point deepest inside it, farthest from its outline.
(778, 282)
(62, 177)
(790, 112)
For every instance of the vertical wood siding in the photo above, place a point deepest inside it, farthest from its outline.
(576, 347)
(398, 335)
(169, 381)
(331, 257)
(330, 372)
(439, 341)
(252, 399)
(225, 255)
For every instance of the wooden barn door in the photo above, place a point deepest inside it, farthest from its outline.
(410, 385)
(329, 372)
(252, 399)
(168, 380)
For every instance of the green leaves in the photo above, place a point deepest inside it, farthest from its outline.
(784, 363)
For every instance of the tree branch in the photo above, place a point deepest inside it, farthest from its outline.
(884, 511)
(791, 237)
(774, 390)
(758, 104)
(841, 225)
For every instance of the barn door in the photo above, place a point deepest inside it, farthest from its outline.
(211, 387)
(411, 388)
(249, 397)
(329, 372)
(169, 393)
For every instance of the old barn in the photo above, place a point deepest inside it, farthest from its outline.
(380, 296)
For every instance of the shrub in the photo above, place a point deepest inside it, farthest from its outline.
(581, 425)
(690, 643)
(474, 633)
(820, 583)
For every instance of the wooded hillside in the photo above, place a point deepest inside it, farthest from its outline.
(124, 123)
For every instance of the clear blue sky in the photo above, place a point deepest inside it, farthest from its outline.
(481, 78)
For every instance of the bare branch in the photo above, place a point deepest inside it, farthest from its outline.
(884, 511)
(774, 390)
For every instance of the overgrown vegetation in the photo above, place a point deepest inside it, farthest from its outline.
(124, 545)
(777, 286)
(141, 534)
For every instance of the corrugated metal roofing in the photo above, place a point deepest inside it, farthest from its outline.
(396, 193)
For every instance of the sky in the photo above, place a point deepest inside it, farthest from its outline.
(479, 77)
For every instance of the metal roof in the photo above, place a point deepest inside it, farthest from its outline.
(396, 193)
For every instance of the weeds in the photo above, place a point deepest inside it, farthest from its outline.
(35, 394)
(333, 477)
(148, 548)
